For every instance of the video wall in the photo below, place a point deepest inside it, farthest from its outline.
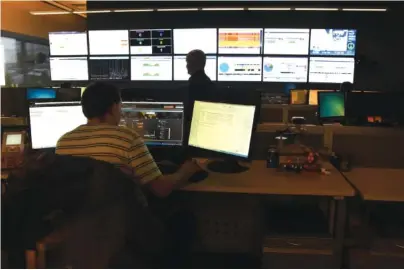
(233, 54)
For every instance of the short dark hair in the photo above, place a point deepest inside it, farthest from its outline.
(98, 98)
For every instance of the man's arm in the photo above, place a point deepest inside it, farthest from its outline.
(148, 173)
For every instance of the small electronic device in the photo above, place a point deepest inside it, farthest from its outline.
(298, 96)
(222, 130)
(12, 149)
(159, 123)
(41, 93)
(313, 95)
(331, 106)
(51, 120)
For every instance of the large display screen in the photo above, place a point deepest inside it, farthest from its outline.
(68, 43)
(109, 68)
(285, 69)
(151, 68)
(151, 41)
(108, 42)
(333, 42)
(69, 68)
(181, 72)
(286, 41)
(51, 120)
(230, 124)
(331, 69)
(186, 40)
(239, 68)
(240, 41)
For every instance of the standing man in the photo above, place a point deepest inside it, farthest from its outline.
(200, 87)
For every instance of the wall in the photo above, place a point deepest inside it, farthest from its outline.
(378, 46)
(15, 17)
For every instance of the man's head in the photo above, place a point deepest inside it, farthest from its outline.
(196, 61)
(101, 102)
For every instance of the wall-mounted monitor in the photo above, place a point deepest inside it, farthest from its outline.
(186, 40)
(331, 69)
(108, 42)
(285, 69)
(181, 72)
(151, 68)
(286, 41)
(239, 68)
(109, 68)
(333, 42)
(69, 68)
(68, 43)
(150, 41)
(240, 40)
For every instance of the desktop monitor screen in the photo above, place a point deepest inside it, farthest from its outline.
(109, 68)
(331, 104)
(181, 72)
(285, 69)
(239, 68)
(68, 43)
(222, 127)
(41, 93)
(313, 96)
(150, 41)
(159, 123)
(240, 40)
(331, 69)
(298, 97)
(51, 120)
(108, 42)
(324, 42)
(186, 40)
(286, 41)
(69, 68)
(14, 139)
(151, 68)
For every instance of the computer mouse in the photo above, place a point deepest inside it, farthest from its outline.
(199, 176)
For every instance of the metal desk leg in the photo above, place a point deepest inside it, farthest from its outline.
(339, 233)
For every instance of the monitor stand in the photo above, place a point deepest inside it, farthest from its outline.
(226, 166)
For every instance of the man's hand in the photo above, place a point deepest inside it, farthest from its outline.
(190, 167)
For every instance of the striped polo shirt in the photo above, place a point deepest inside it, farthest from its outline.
(113, 144)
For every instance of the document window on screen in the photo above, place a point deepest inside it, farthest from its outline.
(221, 127)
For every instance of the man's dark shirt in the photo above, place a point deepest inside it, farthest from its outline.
(200, 88)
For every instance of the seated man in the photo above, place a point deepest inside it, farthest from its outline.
(102, 138)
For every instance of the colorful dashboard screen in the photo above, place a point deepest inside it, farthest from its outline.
(240, 41)
(285, 69)
(239, 68)
(333, 42)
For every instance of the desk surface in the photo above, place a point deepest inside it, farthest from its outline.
(261, 180)
(378, 184)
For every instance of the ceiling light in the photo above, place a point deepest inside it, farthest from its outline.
(49, 12)
(91, 11)
(364, 9)
(269, 8)
(133, 10)
(224, 9)
(317, 9)
(177, 9)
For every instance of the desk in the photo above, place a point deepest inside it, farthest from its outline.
(259, 181)
(377, 184)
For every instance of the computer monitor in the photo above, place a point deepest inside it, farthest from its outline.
(285, 69)
(181, 72)
(69, 68)
(186, 40)
(313, 95)
(222, 129)
(41, 93)
(109, 68)
(326, 42)
(284, 41)
(240, 40)
(151, 68)
(331, 105)
(108, 42)
(51, 120)
(150, 41)
(298, 96)
(159, 123)
(331, 69)
(68, 43)
(239, 68)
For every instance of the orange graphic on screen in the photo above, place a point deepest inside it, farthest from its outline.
(239, 40)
